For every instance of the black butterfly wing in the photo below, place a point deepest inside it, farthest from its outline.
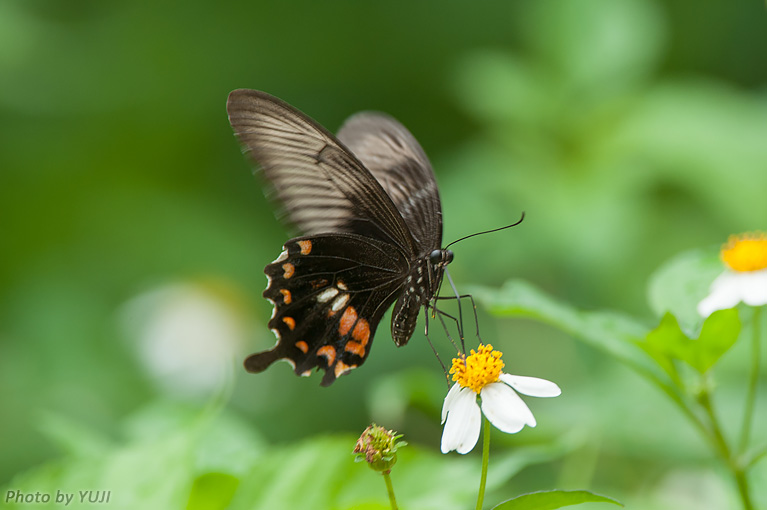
(329, 293)
(398, 162)
(321, 184)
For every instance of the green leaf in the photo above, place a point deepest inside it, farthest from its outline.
(550, 500)
(327, 477)
(166, 448)
(681, 283)
(668, 342)
(611, 332)
(664, 344)
(151, 474)
(369, 506)
(191, 462)
(212, 491)
(719, 333)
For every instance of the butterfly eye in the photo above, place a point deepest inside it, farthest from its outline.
(441, 257)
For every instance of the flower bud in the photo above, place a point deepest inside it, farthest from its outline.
(378, 447)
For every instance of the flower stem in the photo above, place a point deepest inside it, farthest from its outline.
(720, 443)
(742, 481)
(717, 437)
(485, 462)
(753, 383)
(390, 490)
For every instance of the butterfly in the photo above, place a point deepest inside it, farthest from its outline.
(368, 210)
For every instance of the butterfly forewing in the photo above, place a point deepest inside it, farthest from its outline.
(398, 162)
(329, 293)
(322, 186)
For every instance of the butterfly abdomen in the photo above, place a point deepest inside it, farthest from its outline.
(404, 317)
(417, 292)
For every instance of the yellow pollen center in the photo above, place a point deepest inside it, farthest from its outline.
(746, 252)
(479, 369)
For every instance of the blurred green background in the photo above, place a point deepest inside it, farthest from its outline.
(134, 235)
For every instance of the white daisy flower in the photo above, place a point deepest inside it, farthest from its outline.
(479, 374)
(745, 277)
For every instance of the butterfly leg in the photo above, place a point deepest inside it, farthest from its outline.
(460, 309)
(434, 350)
(458, 298)
(439, 314)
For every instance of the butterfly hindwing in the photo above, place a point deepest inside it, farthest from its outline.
(329, 293)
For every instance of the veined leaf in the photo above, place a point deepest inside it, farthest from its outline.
(551, 500)
(668, 342)
(681, 283)
(612, 332)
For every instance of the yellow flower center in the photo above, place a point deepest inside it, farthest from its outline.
(746, 252)
(479, 369)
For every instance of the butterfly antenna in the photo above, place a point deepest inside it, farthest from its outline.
(488, 231)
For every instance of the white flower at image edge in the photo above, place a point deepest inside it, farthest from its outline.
(745, 276)
(479, 374)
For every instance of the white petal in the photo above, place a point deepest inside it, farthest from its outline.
(532, 386)
(505, 410)
(753, 288)
(725, 293)
(449, 399)
(463, 423)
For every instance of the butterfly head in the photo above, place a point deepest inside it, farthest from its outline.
(441, 257)
(438, 261)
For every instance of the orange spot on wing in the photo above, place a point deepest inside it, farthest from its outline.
(355, 348)
(290, 321)
(342, 368)
(316, 284)
(303, 346)
(286, 297)
(329, 352)
(288, 269)
(361, 333)
(341, 285)
(306, 247)
(347, 321)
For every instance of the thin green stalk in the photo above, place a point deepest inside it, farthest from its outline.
(742, 482)
(390, 490)
(753, 383)
(717, 437)
(683, 406)
(755, 457)
(671, 392)
(485, 462)
(720, 444)
(666, 387)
